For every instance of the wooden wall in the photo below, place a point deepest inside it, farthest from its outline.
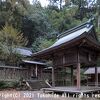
(69, 57)
(65, 57)
(15, 74)
(11, 74)
(88, 57)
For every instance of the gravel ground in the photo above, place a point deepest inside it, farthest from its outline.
(35, 95)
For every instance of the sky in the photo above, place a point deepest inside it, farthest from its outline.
(43, 2)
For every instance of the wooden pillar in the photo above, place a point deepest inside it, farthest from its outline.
(14, 77)
(4, 73)
(41, 73)
(96, 76)
(53, 77)
(11, 73)
(31, 67)
(1, 74)
(78, 71)
(87, 80)
(29, 70)
(78, 76)
(36, 71)
(72, 81)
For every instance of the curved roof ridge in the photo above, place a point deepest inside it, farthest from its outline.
(86, 24)
(71, 36)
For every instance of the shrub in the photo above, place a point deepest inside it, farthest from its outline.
(6, 84)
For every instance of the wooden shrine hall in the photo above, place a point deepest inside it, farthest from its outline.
(75, 48)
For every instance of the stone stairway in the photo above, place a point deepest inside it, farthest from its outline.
(37, 84)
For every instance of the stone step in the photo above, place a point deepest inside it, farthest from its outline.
(37, 84)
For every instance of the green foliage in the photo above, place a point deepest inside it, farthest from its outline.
(12, 11)
(2, 85)
(41, 44)
(5, 84)
(98, 31)
(62, 20)
(10, 38)
(38, 23)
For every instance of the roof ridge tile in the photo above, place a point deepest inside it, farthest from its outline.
(86, 24)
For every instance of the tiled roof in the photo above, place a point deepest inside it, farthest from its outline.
(71, 36)
(24, 52)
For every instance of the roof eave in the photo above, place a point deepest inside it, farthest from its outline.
(68, 44)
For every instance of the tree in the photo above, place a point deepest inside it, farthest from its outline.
(62, 20)
(86, 8)
(12, 12)
(41, 44)
(36, 23)
(98, 13)
(10, 39)
(56, 3)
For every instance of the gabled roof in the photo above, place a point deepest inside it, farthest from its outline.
(70, 36)
(92, 70)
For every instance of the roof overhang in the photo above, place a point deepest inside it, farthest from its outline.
(34, 62)
(47, 53)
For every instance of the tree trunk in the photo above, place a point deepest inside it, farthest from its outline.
(98, 22)
(60, 4)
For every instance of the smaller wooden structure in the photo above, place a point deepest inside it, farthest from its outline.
(34, 69)
(28, 70)
(90, 73)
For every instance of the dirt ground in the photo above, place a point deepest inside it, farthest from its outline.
(36, 95)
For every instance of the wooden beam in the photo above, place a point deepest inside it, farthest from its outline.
(96, 76)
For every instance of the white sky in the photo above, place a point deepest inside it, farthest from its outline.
(43, 2)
